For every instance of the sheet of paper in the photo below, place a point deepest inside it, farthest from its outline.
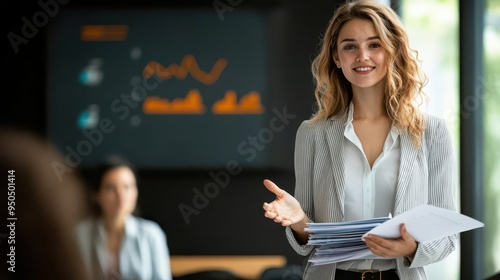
(426, 223)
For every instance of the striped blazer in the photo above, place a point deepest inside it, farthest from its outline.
(426, 176)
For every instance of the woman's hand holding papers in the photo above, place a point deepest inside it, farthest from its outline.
(405, 246)
(286, 210)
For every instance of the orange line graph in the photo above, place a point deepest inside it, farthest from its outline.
(191, 104)
(249, 104)
(188, 65)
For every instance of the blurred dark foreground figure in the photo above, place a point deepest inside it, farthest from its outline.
(46, 211)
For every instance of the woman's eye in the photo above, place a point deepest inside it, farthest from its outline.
(375, 45)
(349, 47)
(129, 186)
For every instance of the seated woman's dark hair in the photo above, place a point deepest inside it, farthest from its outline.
(99, 171)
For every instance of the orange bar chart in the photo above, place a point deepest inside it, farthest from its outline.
(191, 104)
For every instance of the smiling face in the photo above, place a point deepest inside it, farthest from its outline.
(117, 194)
(360, 54)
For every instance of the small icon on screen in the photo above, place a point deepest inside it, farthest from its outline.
(89, 118)
(92, 74)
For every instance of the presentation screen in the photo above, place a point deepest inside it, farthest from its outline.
(166, 88)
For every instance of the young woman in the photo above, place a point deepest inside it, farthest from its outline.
(368, 151)
(116, 244)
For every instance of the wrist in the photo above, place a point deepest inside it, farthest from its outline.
(411, 256)
(305, 219)
(298, 229)
(301, 223)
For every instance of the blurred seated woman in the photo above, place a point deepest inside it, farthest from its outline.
(115, 243)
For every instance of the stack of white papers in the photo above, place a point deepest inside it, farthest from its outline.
(338, 242)
(341, 241)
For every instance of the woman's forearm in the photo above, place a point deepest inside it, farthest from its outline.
(298, 229)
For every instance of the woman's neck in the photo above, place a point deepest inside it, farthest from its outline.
(368, 103)
(115, 232)
(115, 224)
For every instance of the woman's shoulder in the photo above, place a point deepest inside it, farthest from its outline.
(433, 123)
(308, 128)
(319, 127)
(436, 130)
(86, 227)
(147, 226)
(86, 224)
(320, 124)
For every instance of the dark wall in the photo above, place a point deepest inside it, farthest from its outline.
(232, 221)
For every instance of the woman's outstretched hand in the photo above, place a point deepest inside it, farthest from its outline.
(285, 209)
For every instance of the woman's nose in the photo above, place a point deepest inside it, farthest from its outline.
(362, 55)
(120, 192)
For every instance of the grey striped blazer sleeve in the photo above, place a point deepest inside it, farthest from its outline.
(441, 184)
(304, 167)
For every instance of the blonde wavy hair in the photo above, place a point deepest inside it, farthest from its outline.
(404, 80)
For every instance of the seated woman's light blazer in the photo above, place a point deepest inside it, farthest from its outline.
(144, 253)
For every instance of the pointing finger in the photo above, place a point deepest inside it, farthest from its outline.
(272, 187)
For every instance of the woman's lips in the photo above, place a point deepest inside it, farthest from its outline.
(363, 70)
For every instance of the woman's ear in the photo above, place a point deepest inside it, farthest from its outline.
(96, 197)
(336, 60)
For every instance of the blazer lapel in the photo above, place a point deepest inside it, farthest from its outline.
(335, 139)
(407, 162)
(99, 261)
